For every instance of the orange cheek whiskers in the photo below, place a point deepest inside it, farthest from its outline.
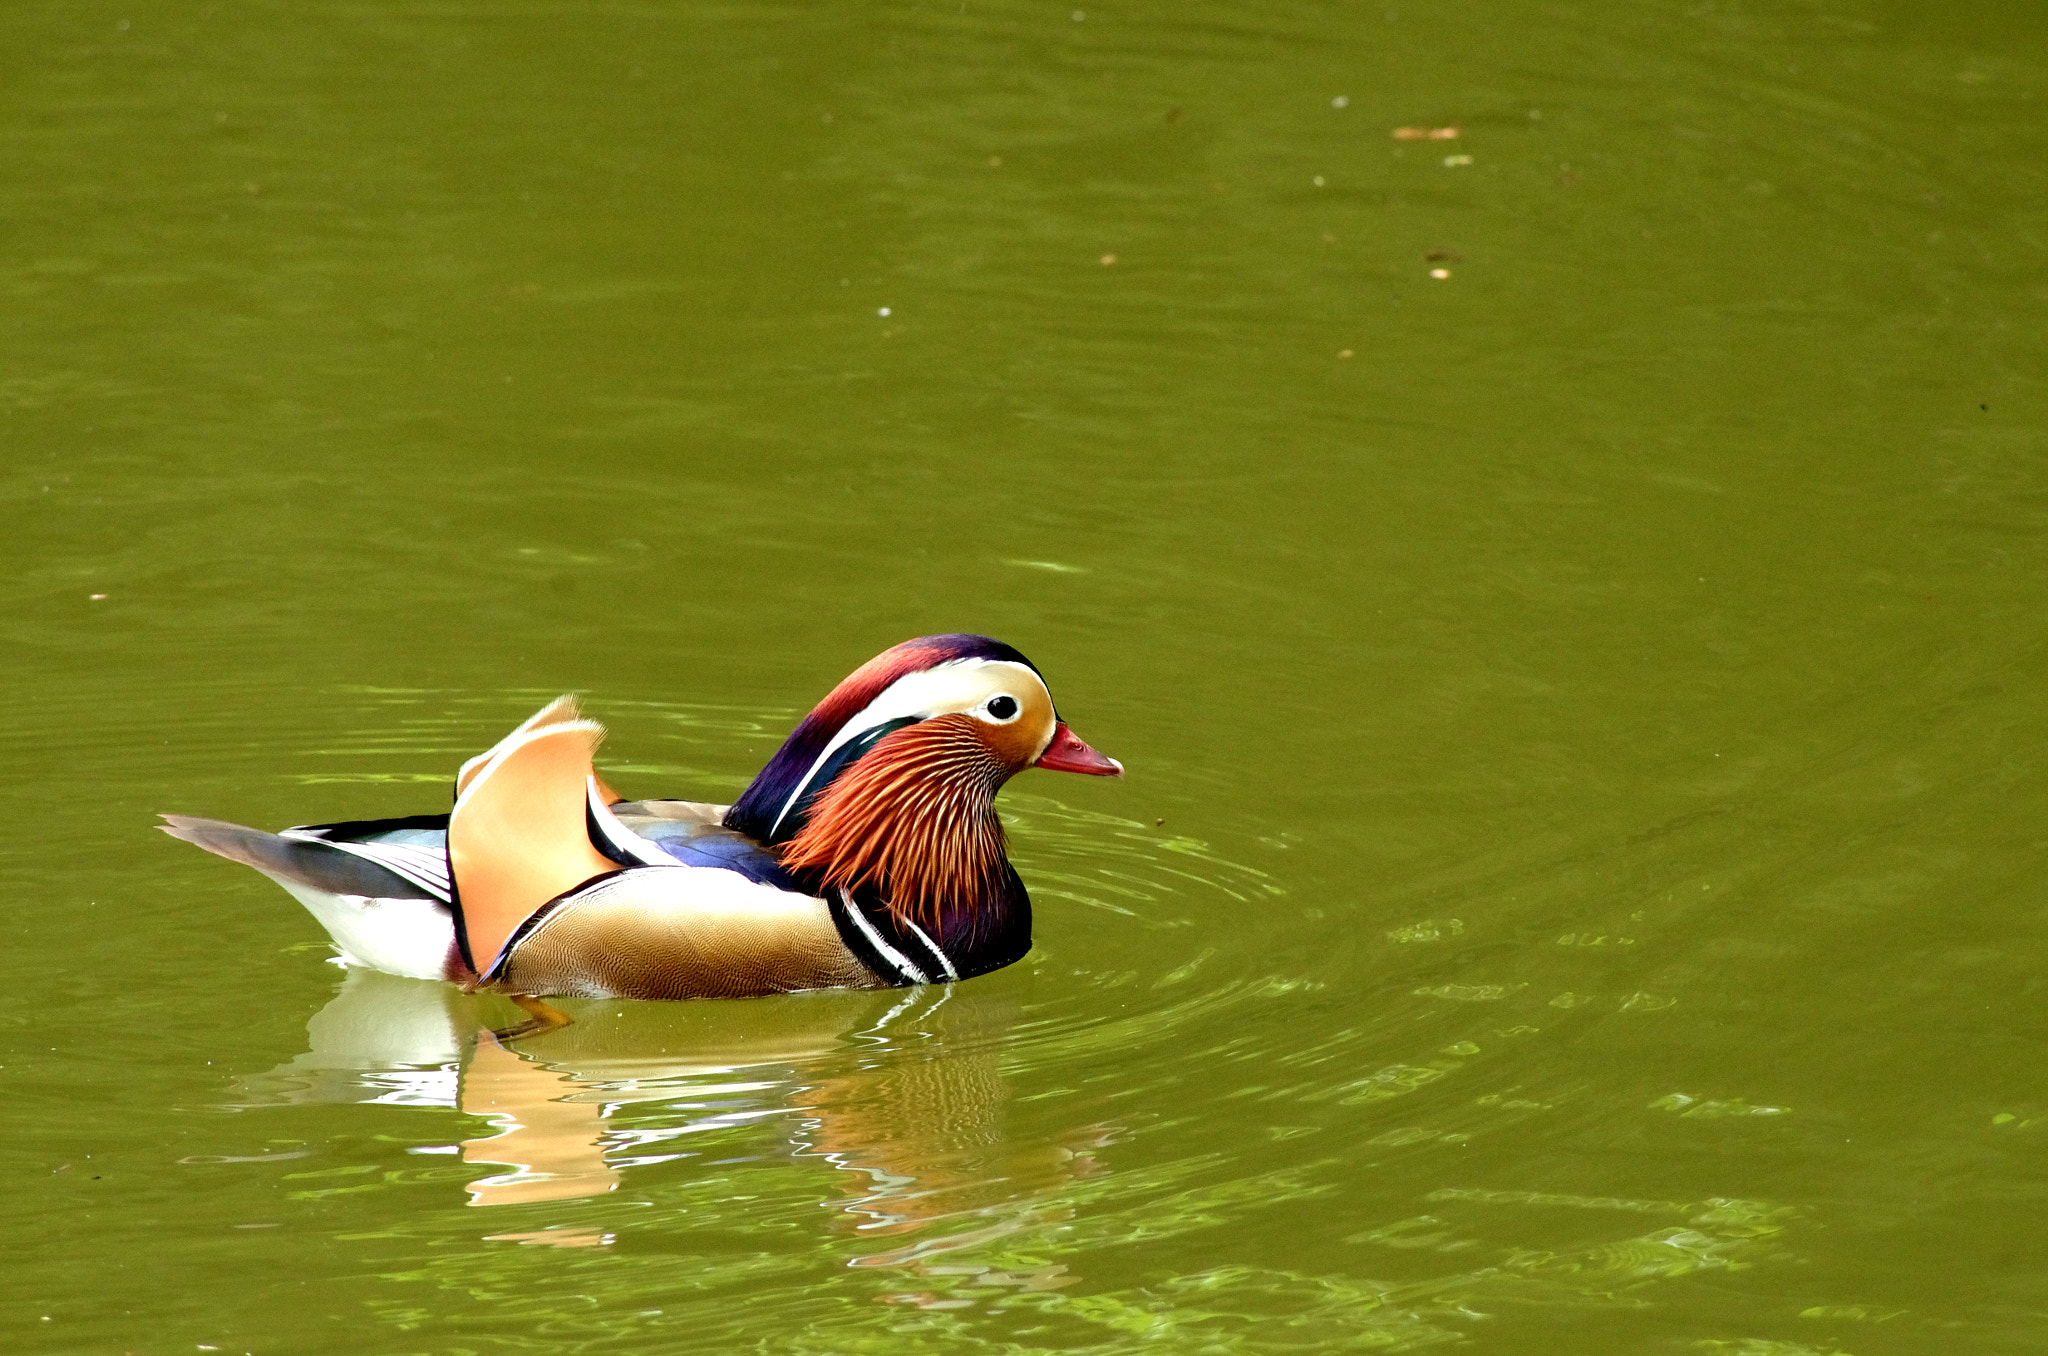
(915, 817)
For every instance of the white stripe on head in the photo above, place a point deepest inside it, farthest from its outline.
(956, 685)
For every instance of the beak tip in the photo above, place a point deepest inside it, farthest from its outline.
(1068, 752)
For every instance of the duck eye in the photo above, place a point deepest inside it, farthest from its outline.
(1002, 706)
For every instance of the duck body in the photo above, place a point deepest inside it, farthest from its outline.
(866, 854)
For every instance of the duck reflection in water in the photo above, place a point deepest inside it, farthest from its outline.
(901, 1091)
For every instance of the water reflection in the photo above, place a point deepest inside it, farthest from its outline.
(901, 1093)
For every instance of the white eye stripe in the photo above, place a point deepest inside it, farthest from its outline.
(921, 695)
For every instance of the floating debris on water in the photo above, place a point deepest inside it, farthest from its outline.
(1051, 565)
(556, 1236)
(1851, 1313)
(1428, 930)
(1425, 134)
(1733, 1106)
(1468, 993)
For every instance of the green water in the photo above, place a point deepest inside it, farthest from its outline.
(1580, 886)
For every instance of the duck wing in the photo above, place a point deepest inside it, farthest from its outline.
(519, 836)
(679, 812)
(692, 833)
(699, 911)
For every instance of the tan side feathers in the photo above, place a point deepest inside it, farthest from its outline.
(518, 836)
(561, 709)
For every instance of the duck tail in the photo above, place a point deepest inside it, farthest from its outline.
(385, 906)
(294, 861)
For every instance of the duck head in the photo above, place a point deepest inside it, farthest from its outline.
(891, 781)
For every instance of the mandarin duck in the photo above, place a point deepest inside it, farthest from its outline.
(866, 854)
